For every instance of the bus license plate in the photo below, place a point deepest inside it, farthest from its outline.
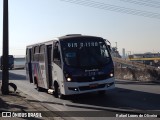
(93, 85)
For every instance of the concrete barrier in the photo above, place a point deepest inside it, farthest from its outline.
(19, 67)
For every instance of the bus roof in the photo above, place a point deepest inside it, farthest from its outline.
(64, 38)
(76, 36)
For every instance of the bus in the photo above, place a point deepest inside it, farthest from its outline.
(71, 64)
(10, 62)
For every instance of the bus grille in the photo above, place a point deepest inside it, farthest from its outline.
(89, 78)
(91, 88)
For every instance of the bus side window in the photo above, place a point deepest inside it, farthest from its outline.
(42, 53)
(56, 56)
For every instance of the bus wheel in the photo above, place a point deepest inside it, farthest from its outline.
(57, 92)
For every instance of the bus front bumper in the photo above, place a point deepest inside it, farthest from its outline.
(86, 87)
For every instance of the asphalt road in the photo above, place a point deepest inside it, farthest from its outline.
(129, 97)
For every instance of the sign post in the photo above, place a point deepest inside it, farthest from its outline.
(5, 73)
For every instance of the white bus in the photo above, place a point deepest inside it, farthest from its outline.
(71, 64)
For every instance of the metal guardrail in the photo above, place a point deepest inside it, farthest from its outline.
(19, 66)
(144, 59)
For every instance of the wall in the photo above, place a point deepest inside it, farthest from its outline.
(137, 74)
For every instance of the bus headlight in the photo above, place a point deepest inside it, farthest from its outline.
(111, 75)
(69, 79)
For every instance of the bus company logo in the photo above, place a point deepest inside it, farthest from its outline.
(6, 114)
(93, 78)
(92, 70)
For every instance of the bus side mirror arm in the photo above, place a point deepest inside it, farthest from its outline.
(109, 47)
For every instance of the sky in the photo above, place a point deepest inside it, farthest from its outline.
(132, 24)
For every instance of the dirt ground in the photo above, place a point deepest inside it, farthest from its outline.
(137, 74)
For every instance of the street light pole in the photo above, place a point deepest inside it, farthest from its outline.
(5, 73)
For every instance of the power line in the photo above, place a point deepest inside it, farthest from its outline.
(104, 6)
(151, 1)
(144, 3)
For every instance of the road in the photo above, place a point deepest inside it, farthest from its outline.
(128, 97)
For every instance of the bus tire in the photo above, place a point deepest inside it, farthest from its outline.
(57, 92)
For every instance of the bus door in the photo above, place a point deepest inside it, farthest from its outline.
(57, 67)
(49, 61)
(29, 65)
(42, 62)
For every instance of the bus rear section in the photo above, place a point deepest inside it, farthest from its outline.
(73, 64)
(38, 64)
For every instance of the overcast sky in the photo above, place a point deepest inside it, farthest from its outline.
(133, 24)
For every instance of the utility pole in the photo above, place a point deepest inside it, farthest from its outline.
(116, 45)
(5, 73)
(116, 50)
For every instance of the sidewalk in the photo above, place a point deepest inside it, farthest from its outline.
(18, 102)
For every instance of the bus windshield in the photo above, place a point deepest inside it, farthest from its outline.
(85, 53)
